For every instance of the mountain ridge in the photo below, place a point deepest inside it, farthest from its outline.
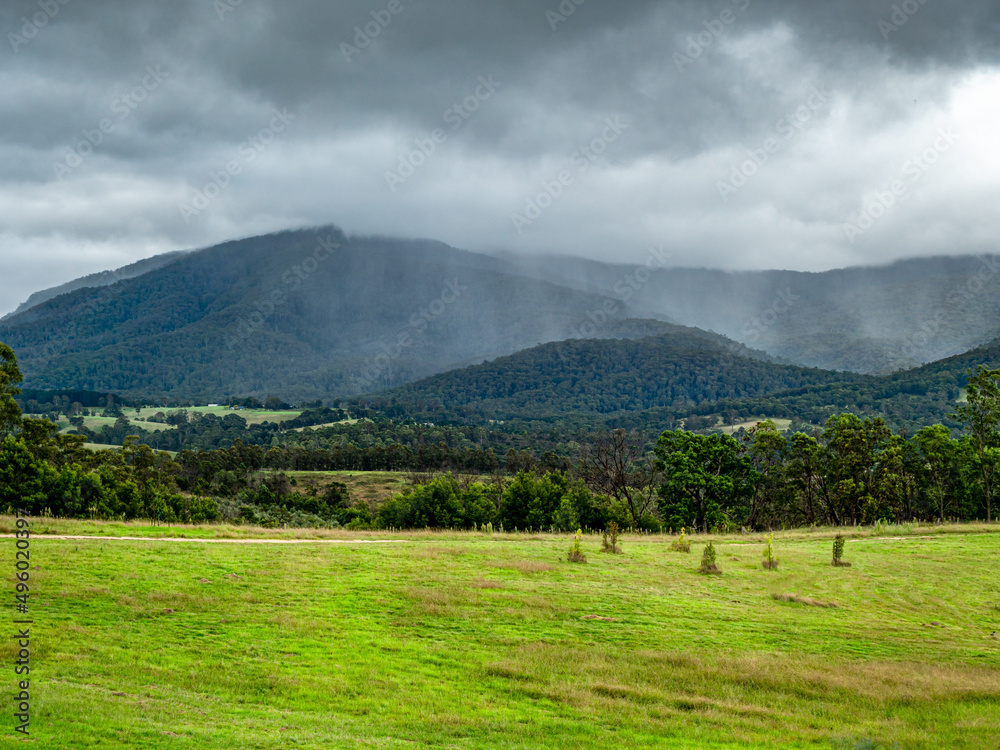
(304, 313)
(99, 279)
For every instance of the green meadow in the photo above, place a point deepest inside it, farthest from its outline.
(495, 641)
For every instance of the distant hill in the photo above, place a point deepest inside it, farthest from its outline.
(679, 370)
(906, 400)
(302, 315)
(865, 319)
(94, 280)
(658, 381)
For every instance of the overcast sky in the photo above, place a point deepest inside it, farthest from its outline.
(736, 134)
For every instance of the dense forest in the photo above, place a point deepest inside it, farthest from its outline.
(679, 370)
(661, 381)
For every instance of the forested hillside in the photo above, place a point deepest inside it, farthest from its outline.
(104, 278)
(678, 370)
(305, 315)
(687, 375)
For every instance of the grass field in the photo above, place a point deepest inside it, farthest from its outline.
(476, 641)
(371, 487)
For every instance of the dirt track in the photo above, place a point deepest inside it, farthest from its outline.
(215, 541)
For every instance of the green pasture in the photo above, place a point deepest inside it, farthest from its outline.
(472, 640)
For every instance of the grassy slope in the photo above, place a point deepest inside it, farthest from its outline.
(468, 641)
(372, 487)
(252, 417)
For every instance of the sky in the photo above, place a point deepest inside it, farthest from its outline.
(735, 134)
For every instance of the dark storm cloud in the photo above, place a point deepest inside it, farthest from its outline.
(116, 115)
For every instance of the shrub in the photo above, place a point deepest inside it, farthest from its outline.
(576, 553)
(681, 544)
(708, 565)
(610, 543)
(770, 561)
(838, 553)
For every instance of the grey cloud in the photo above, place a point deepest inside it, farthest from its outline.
(689, 124)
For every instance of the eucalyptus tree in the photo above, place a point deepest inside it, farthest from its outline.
(10, 379)
(981, 416)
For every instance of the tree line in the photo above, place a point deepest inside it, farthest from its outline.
(854, 471)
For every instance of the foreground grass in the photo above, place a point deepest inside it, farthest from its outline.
(452, 640)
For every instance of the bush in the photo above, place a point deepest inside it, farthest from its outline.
(440, 504)
(576, 553)
(610, 543)
(651, 524)
(770, 561)
(838, 552)
(681, 544)
(708, 565)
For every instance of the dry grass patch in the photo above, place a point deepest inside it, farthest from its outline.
(434, 553)
(166, 596)
(482, 583)
(807, 600)
(437, 602)
(742, 696)
(528, 566)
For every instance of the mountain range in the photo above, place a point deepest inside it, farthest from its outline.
(310, 314)
(303, 314)
(864, 319)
